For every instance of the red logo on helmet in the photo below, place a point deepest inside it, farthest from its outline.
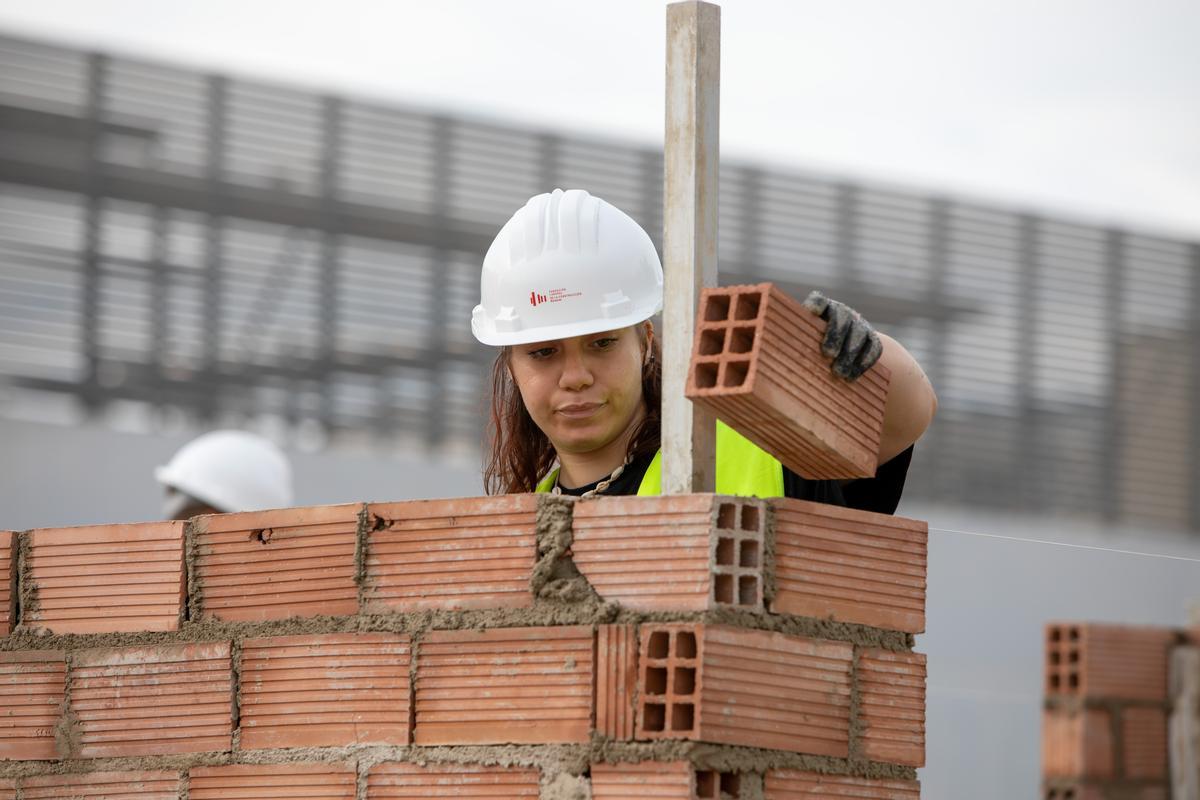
(535, 299)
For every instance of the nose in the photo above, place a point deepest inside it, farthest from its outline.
(575, 372)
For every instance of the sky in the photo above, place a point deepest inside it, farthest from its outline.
(1088, 109)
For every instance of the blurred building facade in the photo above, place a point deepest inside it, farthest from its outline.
(192, 246)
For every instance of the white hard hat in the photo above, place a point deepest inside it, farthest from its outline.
(566, 264)
(230, 471)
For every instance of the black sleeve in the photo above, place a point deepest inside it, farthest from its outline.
(880, 494)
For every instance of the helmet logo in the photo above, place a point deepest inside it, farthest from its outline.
(551, 296)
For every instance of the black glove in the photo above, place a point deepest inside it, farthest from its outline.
(850, 340)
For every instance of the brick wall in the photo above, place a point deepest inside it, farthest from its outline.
(507, 647)
(1104, 724)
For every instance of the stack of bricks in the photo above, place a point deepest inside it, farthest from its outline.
(692, 646)
(1104, 725)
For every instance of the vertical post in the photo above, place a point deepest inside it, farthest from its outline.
(1112, 435)
(94, 198)
(689, 233)
(214, 245)
(332, 112)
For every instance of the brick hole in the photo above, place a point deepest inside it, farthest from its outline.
(262, 535)
(750, 518)
(685, 644)
(1055, 635)
(725, 551)
(747, 590)
(712, 342)
(706, 784)
(656, 680)
(654, 716)
(717, 308)
(1073, 680)
(1055, 681)
(1072, 656)
(735, 373)
(683, 716)
(747, 306)
(706, 374)
(1052, 794)
(1073, 634)
(727, 516)
(659, 645)
(748, 555)
(1068, 794)
(684, 680)
(1055, 657)
(741, 340)
(731, 784)
(723, 588)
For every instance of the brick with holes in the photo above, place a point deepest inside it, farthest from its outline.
(726, 685)
(757, 364)
(261, 565)
(1077, 743)
(616, 680)
(1110, 662)
(674, 552)
(8, 580)
(668, 780)
(786, 784)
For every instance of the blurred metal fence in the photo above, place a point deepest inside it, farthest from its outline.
(234, 248)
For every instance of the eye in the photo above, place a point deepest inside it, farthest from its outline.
(605, 342)
(541, 353)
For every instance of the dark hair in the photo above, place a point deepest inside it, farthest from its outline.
(519, 454)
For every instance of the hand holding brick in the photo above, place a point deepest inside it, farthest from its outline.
(757, 364)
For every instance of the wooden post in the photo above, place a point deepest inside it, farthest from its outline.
(1184, 725)
(689, 233)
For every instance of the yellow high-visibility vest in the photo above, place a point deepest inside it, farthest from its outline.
(743, 469)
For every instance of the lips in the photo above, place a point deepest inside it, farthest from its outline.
(578, 410)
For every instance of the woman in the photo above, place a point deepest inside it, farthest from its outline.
(567, 292)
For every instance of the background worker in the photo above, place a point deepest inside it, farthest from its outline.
(225, 471)
(567, 289)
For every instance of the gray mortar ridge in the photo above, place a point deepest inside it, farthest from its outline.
(770, 584)
(66, 729)
(362, 534)
(27, 590)
(553, 759)
(857, 726)
(235, 699)
(195, 585)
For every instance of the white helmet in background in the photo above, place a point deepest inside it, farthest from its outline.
(566, 264)
(230, 471)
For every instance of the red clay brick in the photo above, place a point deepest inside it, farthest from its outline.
(1144, 743)
(471, 552)
(137, 701)
(680, 552)
(671, 780)
(757, 364)
(8, 580)
(325, 691)
(31, 698)
(1067, 790)
(160, 785)
(616, 680)
(273, 781)
(106, 578)
(1110, 662)
(744, 687)
(518, 685)
(409, 781)
(849, 565)
(784, 784)
(292, 562)
(8, 790)
(892, 706)
(1077, 743)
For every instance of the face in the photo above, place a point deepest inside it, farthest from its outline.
(584, 392)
